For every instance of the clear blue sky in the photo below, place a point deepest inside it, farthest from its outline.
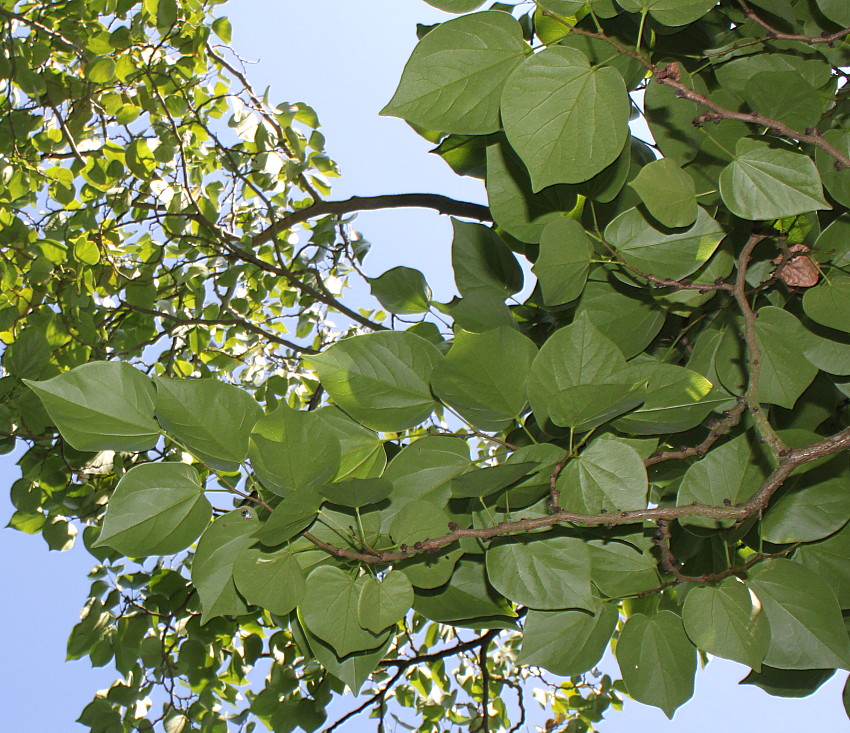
(344, 59)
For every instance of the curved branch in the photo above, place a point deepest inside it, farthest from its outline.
(437, 202)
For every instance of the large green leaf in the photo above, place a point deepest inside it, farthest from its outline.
(670, 118)
(667, 192)
(564, 261)
(484, 376)
(724, 620)
(669, 12)
(329, 610)
(456, 6)
(566, 119)
(212, 419)
(770, 183)
(482, 261)
(836, 10)
(788, 682)
(806, 627)
(292, 516)
(520, 212)
(485, 481)
(657, 660)
(543, 573)
(836, 181)
(829, 304)
(466, 600)
(384, 602)
(454, 78)
(271, 580)
(355, 492)
(363, 454)
(280, 443)
(569, 642)
(828, 559)
(664, 254)
(381, 379)
(621, 568)
(103, 405)
(578, 378)
(156, 509)
(785, 96)
(212, 565)
(608, 474)
(675, 399)
(808, 514)
(402, 290)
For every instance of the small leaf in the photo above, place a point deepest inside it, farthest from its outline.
(486, 481)
(384, 603)
(356, 492)
(829, 304)
(212, 565)
(329, 610)
(103, 405)
(565, 119)
(482, 261)
(564, 261)
(724, 620)
(293, 515)
(156, 509)
(668, 193)
(271, 580)
(807, 514)
(657, 660)
(402, 290)
(764, 183)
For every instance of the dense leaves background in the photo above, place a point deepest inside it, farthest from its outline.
(169, 245)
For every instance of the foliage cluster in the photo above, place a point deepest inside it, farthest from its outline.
(648, 452)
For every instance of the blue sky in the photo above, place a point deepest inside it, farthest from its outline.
(344, 59)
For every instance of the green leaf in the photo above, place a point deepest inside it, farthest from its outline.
(788, 682)
(100, 70)
(670, 118)
(381, 379)
(289, 518)
(271, 580)
(764, 183)
(564, 261)
(363, 454)
(466, 600)
(657, 660)
(827, 304)
(669, 12)
(484, 376)
(566, 119)
(212, 565)
(543, 573)
(828, 559)
(293, 449)
(672, 255)
(482, 261)
(785, 372)
(836, 10)
(456, 6)
(806, 627)
(356, 492)
(586, 636)
(620, 568)
(675, 399)
(453, 80)
(578, 378)
(785, 96)
(156, 509)
(725, 621)
(515, 208)
(103, 405)
(419, 520)
(329, 610)
(732, 473)
(222, 28)
(486, 481)
(423, 470)
(667, 192)
(212, 419)
(808, 514)
(608, 474)
(383, 603)
(402, 291)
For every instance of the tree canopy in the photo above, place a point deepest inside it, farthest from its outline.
(629, 430)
